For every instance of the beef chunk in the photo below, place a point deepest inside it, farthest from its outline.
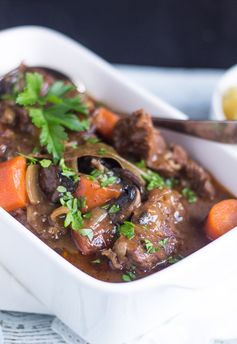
(104, 232)
(49, 180)
(156, 234)
(200, 179)
(136, 137)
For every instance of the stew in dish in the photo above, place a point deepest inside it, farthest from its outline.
(105, 191)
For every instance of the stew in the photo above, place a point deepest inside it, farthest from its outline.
(105, 191)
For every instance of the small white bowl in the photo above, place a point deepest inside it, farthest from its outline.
(228, 80)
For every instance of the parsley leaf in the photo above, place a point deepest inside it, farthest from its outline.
(74, 216)
(32, 160)
(171, 182)
(87, 215)
(163, 242)
(173, 260)
(53, 112)
(149, 246)
(31, 93)
(141, 164)
(67, 171)
(190, 195)
(154, 180)
(59, 88)
(101, 151)
(114, 209)
(127, 229)
(88, 232)
(45, 163)
(105, 179)
(129, 276)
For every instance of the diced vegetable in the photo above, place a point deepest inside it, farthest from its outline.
(105, 121)
(221, 218)
(12, 184)
(94, 194)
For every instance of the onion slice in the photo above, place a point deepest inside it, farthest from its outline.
(58, 212)
(33, 190)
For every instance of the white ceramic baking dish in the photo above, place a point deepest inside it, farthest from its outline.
(105, 313)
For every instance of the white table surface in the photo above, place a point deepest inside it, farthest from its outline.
(188, 90)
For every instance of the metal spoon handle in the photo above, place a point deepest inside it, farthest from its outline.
(219, 131)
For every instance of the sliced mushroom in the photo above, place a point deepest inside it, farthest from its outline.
(129, 200)
(103, 152)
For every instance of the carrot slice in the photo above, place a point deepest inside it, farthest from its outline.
(12, 184)
(94, 194)
(221, 218)
(105, 121)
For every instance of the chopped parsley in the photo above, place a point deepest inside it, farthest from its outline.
(149, 246)
(114, 209)
(32, 160)
(163, 242)
(74, 217)
(173, 260)
(129, 276)
(87, 215)
(127, 229)
(82, 202)
(67, 171)
(92, 140)
(61, 189)
(105, 179)
(141, 164)
(88, 232)
(101, 151)
(96, 261)
(45, 163)
(171, 182)
(53, 112)
(154, 180)
(190, 195)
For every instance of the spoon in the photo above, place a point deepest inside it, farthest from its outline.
(219, 131)
(213, 130)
